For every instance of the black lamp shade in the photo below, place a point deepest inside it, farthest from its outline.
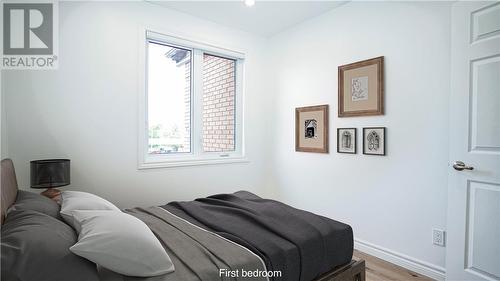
(50, 173)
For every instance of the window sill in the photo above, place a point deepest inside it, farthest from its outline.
(193, 162)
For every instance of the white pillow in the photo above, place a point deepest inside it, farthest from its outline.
(77, 200)
(120, 242)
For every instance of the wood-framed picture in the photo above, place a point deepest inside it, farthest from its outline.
(361, 88)
(346, 140)
(374, 141)
(311, 129)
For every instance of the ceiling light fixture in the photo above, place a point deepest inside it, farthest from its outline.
(249, 3)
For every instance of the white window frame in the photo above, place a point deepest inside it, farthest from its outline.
(197, 156)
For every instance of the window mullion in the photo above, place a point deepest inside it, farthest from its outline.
(239, 109)
(197, 114)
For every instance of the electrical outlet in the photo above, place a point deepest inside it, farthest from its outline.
(438, 237)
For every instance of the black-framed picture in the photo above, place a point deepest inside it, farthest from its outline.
(374, 141)
(346, 140)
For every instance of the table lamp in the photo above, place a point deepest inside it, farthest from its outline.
(50, 173)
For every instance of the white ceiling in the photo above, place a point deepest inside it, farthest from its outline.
(265, 18)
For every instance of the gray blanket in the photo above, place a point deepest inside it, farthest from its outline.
(198, 255)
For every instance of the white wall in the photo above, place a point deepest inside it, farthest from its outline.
(87, 109)
(393, 201)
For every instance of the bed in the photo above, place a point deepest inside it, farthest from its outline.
(239, 230)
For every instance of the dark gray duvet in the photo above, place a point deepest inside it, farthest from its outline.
(300, 244)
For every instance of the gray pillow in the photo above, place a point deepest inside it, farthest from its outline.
(33, 201)
(35, 247)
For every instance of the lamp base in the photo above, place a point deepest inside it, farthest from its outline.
(51, 193)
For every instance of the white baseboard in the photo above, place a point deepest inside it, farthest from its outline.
(430, 270)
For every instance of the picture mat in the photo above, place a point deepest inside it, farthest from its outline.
(312, 142)
(371, 103)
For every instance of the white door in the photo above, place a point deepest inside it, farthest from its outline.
(473, 221)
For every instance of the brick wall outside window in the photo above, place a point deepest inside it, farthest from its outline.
(218, 104)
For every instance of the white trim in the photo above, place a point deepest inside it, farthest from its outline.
(191, 162)
(181, 42)
(196, 156)
(142, 145)
(430, 270)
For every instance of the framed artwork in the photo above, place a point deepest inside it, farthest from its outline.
(374, 141)
(311, 129)
(346, 140)
(361, 88)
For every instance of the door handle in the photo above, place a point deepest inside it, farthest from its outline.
(460, 166)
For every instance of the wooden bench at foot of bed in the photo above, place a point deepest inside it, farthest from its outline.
(353, 271)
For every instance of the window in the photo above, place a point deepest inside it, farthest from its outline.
(192, 104)
(169, 99)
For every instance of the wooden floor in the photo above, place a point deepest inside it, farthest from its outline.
(380, 270)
